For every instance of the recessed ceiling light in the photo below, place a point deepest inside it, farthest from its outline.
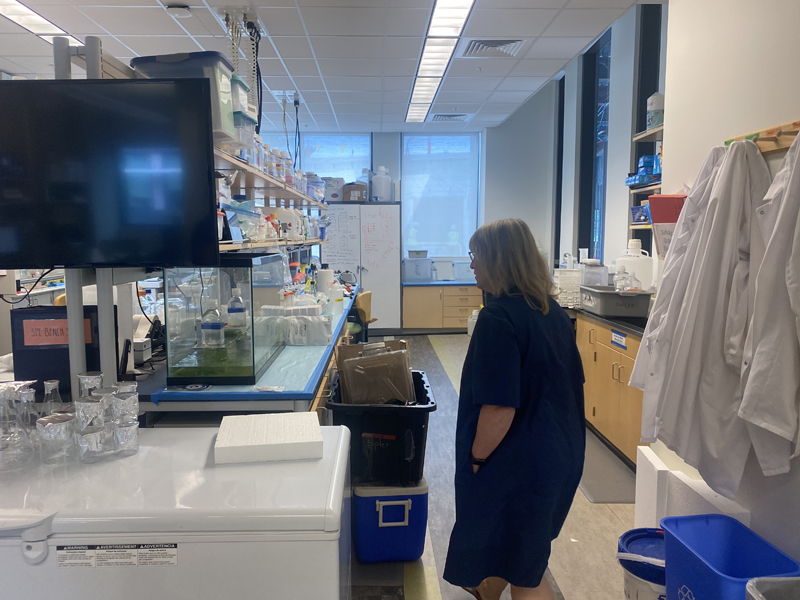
(25, 17)
(72, 41)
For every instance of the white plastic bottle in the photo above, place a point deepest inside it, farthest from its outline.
(381, 186)
(473, 318)
(236, 311)
(212, 327)
(336, 295)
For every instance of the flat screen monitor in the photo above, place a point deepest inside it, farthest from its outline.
(107, 173)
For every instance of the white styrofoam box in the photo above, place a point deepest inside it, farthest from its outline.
(333, 188)
(652, 479)
(272, 437)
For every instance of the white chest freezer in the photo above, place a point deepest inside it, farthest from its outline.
(168, 523)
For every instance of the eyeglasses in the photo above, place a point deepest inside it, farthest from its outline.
(471, 255)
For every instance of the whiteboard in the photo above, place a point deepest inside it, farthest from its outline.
(343, 250)
(380, 262)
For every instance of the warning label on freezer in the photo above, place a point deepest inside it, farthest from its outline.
(75, 556)
(158, 555)
(118, 555)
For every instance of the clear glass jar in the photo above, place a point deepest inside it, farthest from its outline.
(57, 436)
(237, 317)
(16, 448)
(89, 381)
(52, 397)
(212, 327)
(126, 386)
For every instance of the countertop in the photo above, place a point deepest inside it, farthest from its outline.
(439, 283)
(634, 326)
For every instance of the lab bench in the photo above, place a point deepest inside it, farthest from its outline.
(439, 304)
(302, 371)
(608, 348)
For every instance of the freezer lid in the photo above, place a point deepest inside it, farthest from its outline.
(173, 485)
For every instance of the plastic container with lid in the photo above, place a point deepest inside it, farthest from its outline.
(239, 92)
(462, 271)
(417, 270)
(245, 130)
(381, 186)
(638, 263)
(593, 272)
(641, 554)
(213, 66)
(315, 186)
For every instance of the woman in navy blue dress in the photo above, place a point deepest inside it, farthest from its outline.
(520, 437)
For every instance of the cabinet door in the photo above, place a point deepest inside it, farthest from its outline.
(630, 410)
(586, 338)
(422, 307)
(607, 401)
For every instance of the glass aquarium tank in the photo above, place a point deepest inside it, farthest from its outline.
(224, 324)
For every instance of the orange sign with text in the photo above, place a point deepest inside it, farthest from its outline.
(51, 332)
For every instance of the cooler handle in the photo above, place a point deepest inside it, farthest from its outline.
(642, 559)
(379, 508)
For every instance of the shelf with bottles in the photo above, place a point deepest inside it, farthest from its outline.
(277, 244)
(655, 134)
(251, 177)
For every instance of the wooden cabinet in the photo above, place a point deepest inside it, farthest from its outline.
(612, 406)
(439, 306)
(423, 307)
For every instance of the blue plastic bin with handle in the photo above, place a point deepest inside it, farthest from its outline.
(641, 554)
(714, 556)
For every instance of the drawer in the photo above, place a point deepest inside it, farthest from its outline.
(631, 341)
(462, 290)
(461, 312)
(469, 301)
(454, 322)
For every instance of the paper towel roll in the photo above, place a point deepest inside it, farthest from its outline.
(324, 280)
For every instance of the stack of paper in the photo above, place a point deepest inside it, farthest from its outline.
(262, 438)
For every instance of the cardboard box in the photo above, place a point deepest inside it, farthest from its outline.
(344, 352)
(333, 188)
(355, 192)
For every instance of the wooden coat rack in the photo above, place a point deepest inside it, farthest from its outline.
(774, 139)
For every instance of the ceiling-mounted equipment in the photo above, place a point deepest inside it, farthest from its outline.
(452, 117)
(491, 48)
(179, 11)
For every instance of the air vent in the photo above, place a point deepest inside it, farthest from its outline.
(492, 49)
(449, 118)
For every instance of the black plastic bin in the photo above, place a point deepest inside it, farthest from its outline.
(388, 441)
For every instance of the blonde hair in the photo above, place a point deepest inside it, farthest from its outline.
(512, 263)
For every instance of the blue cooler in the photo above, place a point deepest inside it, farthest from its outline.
(389, 523)
(714, 556)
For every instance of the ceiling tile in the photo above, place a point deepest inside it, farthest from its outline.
(271, 67)
(40, 65)
(338, 3)
(360, 127)
(281, 21)
(538, 67)
(411, 22)
(355, 97)
(456, 107)
(394, 108)
(398, 83)
(309, 83)
(69, 18)
(455, 98)
(292, 47)
(23, 44)
(301, 67)
(558, 47)
(316, 97)
(328, 125)
(518, 97)
(133, 21)
(223, 44)
(309, 127)
(11, 67)
(351, 67)
(344, 21)
(428, 4)
(149, 44)
(358, 118)
(522, 84)
(356, 108)
(600, 3)
(280, 83)
(403, 47)
(400, 67)
(458, 84)
(500, 107)
(397, 97)
(392, 118)
(112, 3)
(525, 22)
(348, 47)
(320, 109)
(495, 4)
(8, 26)
(479, 67)
(346, 84)
(202, 22)
(496, 117)
(590, 22)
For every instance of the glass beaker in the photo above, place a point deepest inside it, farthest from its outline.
(127, 438)
(125, 407)
(126, 386)
(104, 396)
(16, 448)
(90, 430)
(52, 397)
(89, 381)
(26, 408)
(57, 436)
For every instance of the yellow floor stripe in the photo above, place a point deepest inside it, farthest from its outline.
(421, 582)
(453, 372)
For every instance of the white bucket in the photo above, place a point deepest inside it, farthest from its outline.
(639, 589)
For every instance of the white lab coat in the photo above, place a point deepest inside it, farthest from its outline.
(700, 392)
(771, 366)
(649, 369)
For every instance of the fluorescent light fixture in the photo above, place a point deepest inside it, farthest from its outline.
(72, 41)
(447, 21)
(25, 17)
(449, 17)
